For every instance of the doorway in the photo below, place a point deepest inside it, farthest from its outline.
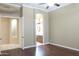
(9, 33)
(39, 35)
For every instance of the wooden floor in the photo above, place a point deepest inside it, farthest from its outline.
(44, 50)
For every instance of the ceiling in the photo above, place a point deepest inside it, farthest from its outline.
(43, 6)
(15, 7)
(7, 8)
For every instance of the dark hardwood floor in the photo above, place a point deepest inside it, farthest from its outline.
(43, 50)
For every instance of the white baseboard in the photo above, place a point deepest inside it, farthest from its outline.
(53, 44)
(34, 45)
(46, 43)
(29, 46)
(64, 46)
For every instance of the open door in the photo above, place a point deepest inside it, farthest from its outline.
(39, 29)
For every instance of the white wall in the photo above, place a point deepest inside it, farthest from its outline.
(29, 25)
(10, 14)
(64, 26)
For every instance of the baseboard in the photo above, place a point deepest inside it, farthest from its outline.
(34, 46)
(29, 46)
(65, 46)
(55, 45)
(46, 43)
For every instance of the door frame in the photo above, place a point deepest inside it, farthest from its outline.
(35, 27)
(21, 40)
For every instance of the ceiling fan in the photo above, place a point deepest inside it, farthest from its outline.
(48, 6)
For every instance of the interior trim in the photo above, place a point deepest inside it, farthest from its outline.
(29, 46)
(33, 46)
(64, 46)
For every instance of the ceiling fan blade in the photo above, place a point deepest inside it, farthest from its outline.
(47, 7)
(56, 4)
